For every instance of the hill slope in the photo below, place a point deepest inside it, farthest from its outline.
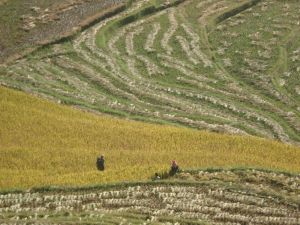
(42, 143)
(226, 66)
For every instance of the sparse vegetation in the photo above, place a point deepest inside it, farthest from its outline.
(26, 25)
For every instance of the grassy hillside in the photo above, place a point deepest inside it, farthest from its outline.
(212, 197)
(43, 143)
(225, 66)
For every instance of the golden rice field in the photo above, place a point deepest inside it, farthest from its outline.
(43, 143)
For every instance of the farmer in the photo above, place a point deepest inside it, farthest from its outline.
(174, 168)
(100, 163)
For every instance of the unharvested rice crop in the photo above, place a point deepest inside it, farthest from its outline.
(225, 66)
(213, 197)
(43, 143)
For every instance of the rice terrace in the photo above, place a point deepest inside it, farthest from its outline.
(212, 84)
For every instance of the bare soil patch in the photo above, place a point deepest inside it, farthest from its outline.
(28, 24)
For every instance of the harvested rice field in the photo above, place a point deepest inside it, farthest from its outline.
(224, 66)
(214, 84)
(214, 197)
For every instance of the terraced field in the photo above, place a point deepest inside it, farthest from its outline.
(222, 65)
(46, 144)
(196, 197)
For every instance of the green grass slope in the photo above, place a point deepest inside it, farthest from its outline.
(225, 66)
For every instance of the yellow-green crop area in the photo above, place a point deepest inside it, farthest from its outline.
(42, 143)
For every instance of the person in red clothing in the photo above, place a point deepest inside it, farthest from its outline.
(174, 168)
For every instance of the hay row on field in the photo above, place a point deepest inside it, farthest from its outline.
(233, 198)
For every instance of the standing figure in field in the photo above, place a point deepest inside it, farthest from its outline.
(174, 168)
(100, 163)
